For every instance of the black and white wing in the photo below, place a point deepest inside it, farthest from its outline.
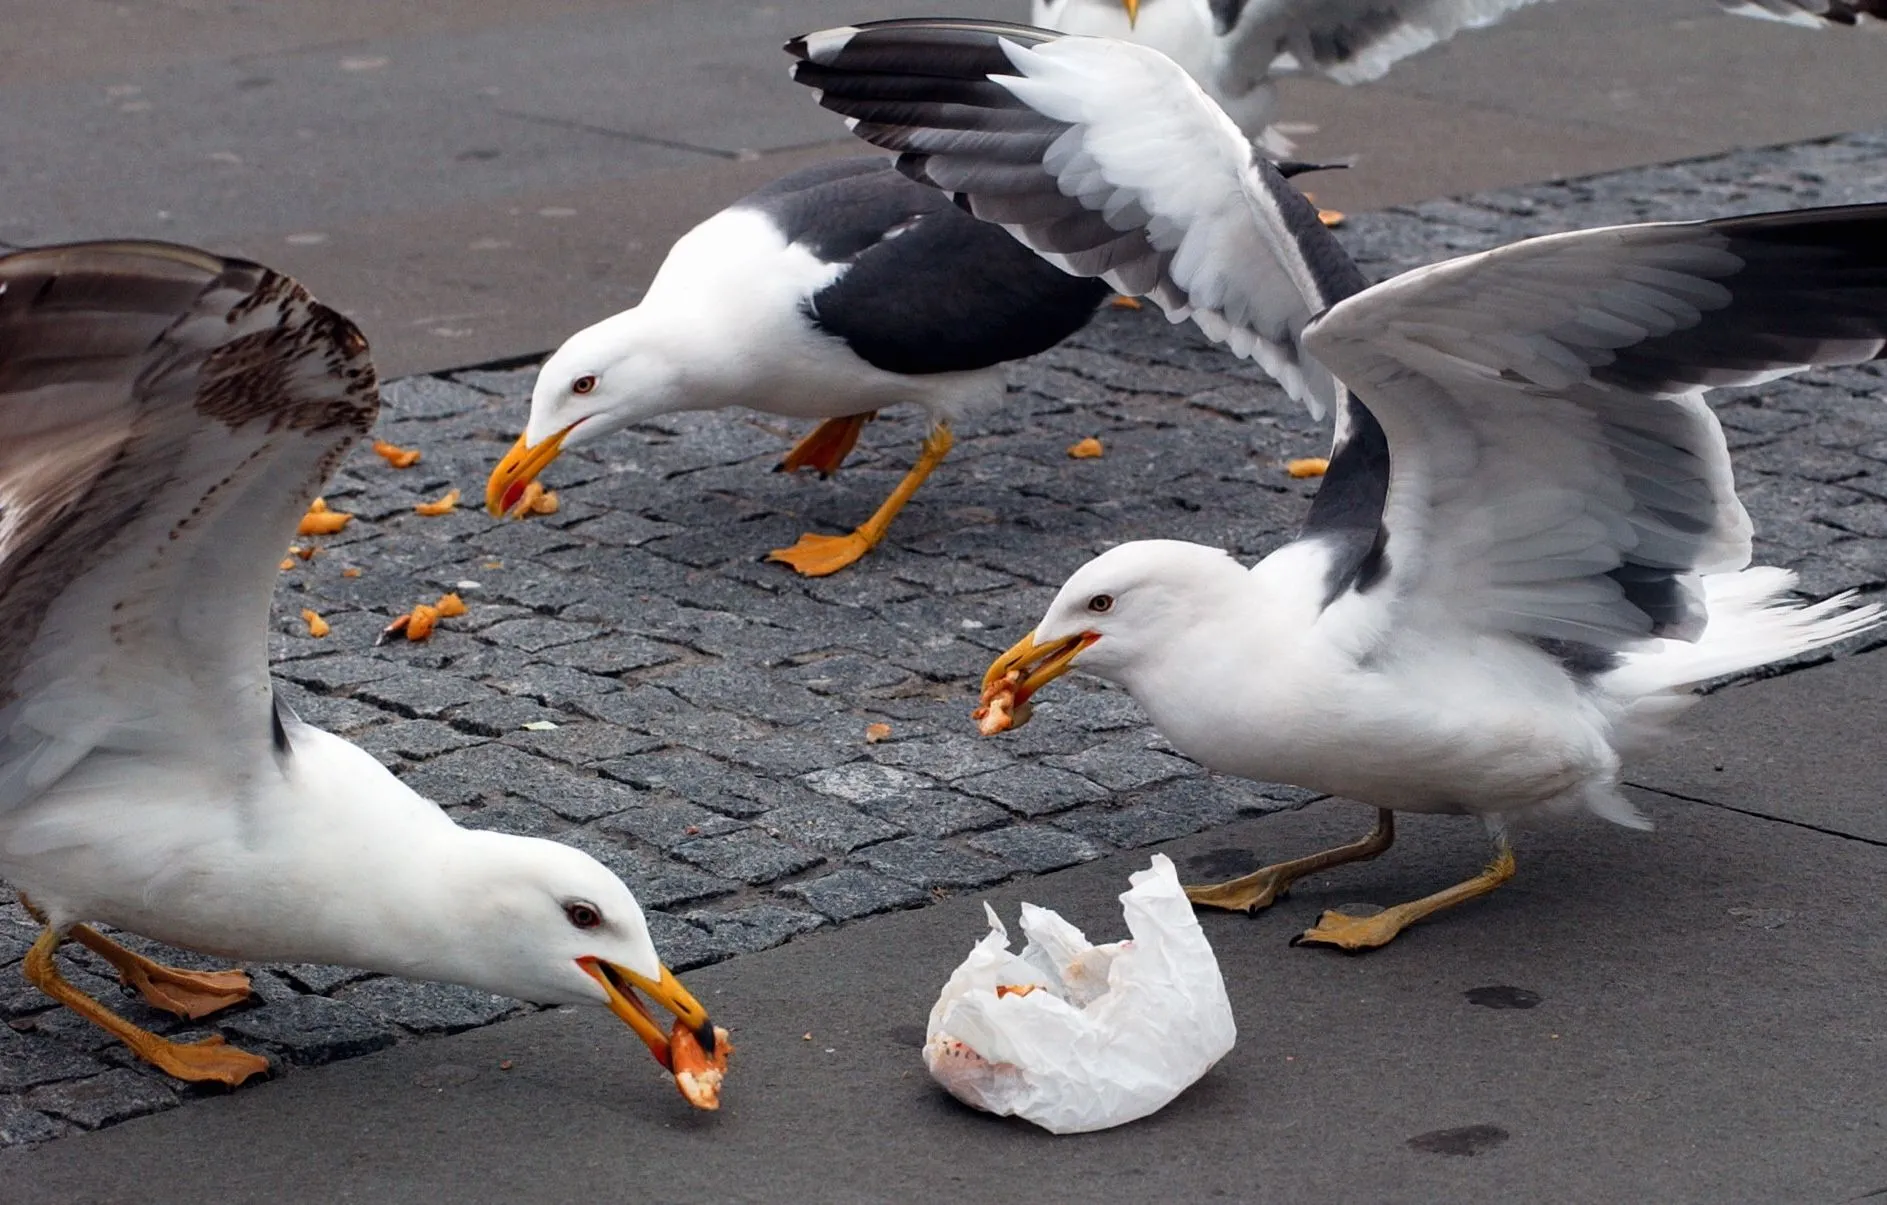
(168, 416)
(923, 286)
(1816, 14)
(1106, 159)
(1554, 470)
(1349, 41)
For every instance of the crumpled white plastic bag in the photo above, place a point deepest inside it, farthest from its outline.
(1111, 1033)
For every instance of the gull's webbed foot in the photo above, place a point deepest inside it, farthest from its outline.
(1369, 932)
(816, 555)
(1262, 887)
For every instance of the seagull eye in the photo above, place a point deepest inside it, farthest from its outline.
(582, 915)
(1101, 604)
(584, 383)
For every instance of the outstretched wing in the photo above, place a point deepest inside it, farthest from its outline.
(1816, 14)
(1554, 471)
(1107, 160)
(1350, 41)
(168, 416)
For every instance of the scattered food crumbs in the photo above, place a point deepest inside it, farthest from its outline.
(443, 506)
(1331, 217)
(1123, 302)
(492, 565)
(540, 726)
(536, 500)
(505, 1064)
(288, 562)
(305, 551)
(876, 732)
(693, 830)
(418, 623)
(1309, 466)
(1088, 449)
(395, 455)
(351, 571)
(465, 585)
(805, 1037)
(317, 626)
(320, 521)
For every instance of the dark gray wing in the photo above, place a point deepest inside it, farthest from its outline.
(1350, 41)
(926, 288)
(1816, 14)
(1106, 159)
(169, 414)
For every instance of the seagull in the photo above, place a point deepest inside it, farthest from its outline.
(169, 416)
(829, 294)
(1235, 49)
(1528, 548)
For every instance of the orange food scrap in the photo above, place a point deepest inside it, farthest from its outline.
(317, 626)
(395, 455)
(697, 1075)
(444, 506)
(1123, 302)
(305, 551)
(876, 732)
(1088, 449)
(320, 521)
(997, 712)
(536, 500)
(351, 571)
(1015, 989)
(1331, 217)
(418, 623)
(1309, 466)
(288, 562)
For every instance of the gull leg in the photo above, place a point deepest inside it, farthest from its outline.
(817, 555)
(1368, 932)
(210, 1060)
(1262, 887)
(189, 994)
(827, 445)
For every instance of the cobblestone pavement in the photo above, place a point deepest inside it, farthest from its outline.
(633, 680)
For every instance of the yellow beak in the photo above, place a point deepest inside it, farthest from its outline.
(1026, 668)
(622, 983)
(518, 469)
(1133, 11)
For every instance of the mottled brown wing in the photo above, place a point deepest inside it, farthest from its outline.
(168, 415)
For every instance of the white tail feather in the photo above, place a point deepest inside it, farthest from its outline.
(1751, 624)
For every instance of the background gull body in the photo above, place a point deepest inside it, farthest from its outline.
(831, 293)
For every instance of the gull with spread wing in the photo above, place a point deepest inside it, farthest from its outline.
(1528, 549)
(169, 415)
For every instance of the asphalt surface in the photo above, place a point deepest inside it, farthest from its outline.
(711, 711)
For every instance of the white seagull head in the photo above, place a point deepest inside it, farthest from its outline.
(1120, 613)
(603, 378)
(550, 924)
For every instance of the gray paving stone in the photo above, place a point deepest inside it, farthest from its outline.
(926, 862)
(421, 693)
(1033, 790)
(760, 927)
(116, 1095)
(20, 1125)
(1036, 849)
(427, 1007)
(666, 823)
(848, 894)
(832, 827)
(683, 946)
(310, 1030)
(28, 1059)
(936, 813)
(748, 855)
